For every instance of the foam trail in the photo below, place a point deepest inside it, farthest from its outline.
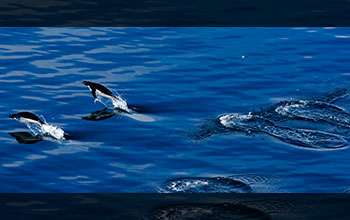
(315, 111)
(307, 138)
(334, 96)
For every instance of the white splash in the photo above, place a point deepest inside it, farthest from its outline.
(286, 109)
(230, 119)
(112, 102)
(46, 129)
(120, 103)
(52, 131)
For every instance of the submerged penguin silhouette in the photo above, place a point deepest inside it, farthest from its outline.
(37, 126)
(119, 105)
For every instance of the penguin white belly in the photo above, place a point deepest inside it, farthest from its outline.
(28, 121)
(98, 93)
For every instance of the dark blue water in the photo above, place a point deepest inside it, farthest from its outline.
(184, 78)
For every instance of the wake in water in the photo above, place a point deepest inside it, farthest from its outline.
(221, 184)
(266, 121)
(318, 109)
(301, 137)
(315, 111)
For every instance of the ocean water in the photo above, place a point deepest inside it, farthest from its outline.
(184, 80)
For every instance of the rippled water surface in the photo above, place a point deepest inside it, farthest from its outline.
(184, 79)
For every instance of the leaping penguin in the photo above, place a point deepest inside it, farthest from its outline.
(119, 105)
(98, 90)
(42, 127)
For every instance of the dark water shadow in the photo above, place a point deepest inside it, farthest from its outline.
(25, 137)
(102, 114)
(28, 138)
(174, 206)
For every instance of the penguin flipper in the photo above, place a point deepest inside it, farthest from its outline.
(93, 92)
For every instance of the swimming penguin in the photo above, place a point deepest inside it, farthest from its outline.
(27, 118)
(99, 90)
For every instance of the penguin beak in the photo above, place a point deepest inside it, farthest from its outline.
(85, 82)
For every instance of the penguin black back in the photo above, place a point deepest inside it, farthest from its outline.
(27, 115)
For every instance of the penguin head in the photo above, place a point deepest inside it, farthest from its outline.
(87, 83)
(14, 116)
